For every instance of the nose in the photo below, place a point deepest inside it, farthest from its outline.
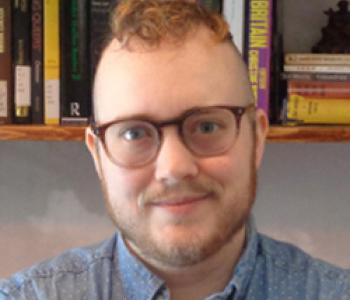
(174, 162)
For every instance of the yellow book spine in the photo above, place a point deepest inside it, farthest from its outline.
(310, 110)
(51, 62)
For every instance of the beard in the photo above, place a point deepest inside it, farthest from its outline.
(192, 246)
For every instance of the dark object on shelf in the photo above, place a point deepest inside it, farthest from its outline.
(336, 35)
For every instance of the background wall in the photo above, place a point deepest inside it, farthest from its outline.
(302, 22)
(50, 200)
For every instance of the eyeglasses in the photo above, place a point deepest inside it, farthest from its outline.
(205, 131)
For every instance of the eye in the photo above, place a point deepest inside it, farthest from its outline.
(134, 133)
(207, 127)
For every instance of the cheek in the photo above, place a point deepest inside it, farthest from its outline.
(229, 170)
(125, 184)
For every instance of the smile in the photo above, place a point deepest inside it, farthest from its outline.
(181, 205)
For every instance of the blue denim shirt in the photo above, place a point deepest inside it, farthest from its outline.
(268, 269)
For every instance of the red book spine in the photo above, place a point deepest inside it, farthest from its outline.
(320, 89)
(5, 62)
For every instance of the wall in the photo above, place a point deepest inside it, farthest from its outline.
(51, 200)
(302, 22)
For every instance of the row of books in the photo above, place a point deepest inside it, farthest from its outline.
(48, 53)
(50, 50)
(292, 88)
(317, 88)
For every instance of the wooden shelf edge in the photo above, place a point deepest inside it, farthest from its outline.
(41, 133)
(309, 134)
(285, 134)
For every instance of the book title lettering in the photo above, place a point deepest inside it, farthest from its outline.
(259, 20)
(75, 41)
(254, 71)
(36, 25)
(75, 109)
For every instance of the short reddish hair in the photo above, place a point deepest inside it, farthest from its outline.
(153, 21)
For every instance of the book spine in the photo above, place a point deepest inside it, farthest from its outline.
(259, 50)
(99, 15)
(312, 110)
(51, 63)
(22, 60)
(246, 29)
(75, 79)
(5, 62)
(337, 69)
(316, 59)
(316, 76)
(234, 14)
(37, 63)
(65, 54)
(321, 89)
(278, 88)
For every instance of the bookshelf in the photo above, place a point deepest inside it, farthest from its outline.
(41, 133)
(296, 39)
(277, 134)
(309, 134)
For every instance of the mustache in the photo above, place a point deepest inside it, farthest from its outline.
(163, 194)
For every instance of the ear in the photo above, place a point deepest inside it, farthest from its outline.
(91, 143)
(262, 128)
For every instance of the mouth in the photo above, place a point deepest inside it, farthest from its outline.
(181, 205)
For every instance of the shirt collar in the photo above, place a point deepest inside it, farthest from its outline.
(243, 271)
(139, 282)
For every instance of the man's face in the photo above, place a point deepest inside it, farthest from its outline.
(179, 209)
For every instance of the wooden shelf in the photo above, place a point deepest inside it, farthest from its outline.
(41, 133)
(310, 134)
(294, 134)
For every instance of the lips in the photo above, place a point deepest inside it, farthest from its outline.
(180, 205)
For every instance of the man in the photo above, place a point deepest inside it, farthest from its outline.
(177, 142)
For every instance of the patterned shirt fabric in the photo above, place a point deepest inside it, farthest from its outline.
(267, 270)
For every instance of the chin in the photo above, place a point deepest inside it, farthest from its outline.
(182, 245)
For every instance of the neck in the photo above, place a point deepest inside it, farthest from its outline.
(206, 277)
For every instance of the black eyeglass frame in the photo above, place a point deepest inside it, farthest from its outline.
(99, 130)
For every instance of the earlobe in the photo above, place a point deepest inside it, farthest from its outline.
(262, 128)
(91, 144)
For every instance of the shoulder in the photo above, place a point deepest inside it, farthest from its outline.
(72, 263)
(290, 263)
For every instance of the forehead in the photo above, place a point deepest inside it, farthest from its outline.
(162, 83)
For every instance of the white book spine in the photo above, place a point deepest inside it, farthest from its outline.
(51, 107)
(22, 85)
(3, 98)
(233, 11)
(318, 68)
